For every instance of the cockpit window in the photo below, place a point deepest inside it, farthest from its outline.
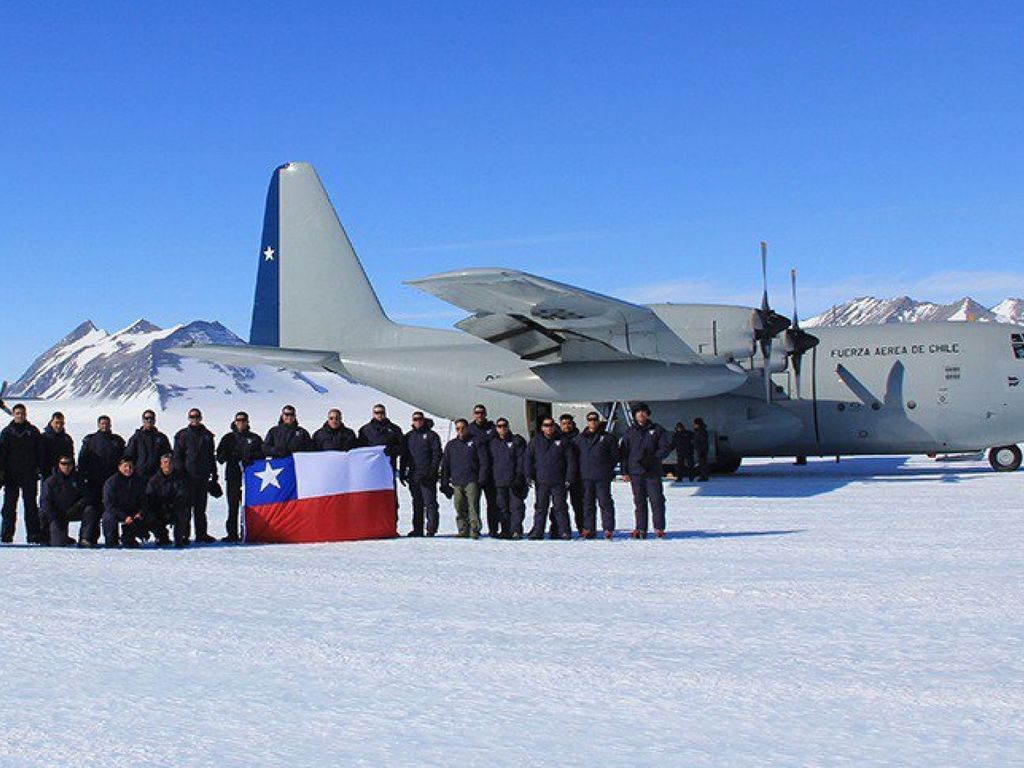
(1017, 342)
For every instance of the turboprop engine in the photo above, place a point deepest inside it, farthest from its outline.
(618, 380)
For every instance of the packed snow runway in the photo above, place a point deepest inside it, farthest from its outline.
(865, 613)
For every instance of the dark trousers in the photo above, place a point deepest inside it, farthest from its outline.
(112, 527)
(58, 524)
(175, 515)
(648, 489)
(90, 529)
(684, 466)
(551, 497)
(576, 501)
(598, 492)
(702, 466)
(490, 494)
(198, 495)
(233, 491)
(424, 503)
(28, 490)
(512, 510)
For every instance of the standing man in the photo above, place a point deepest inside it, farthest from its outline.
(598, 453)
(56, 443)
(700, 447)
(21, 458)
(550, 462)
(506, 455)
(334, 435)
(419, 469)
(287, 437)
(147, 445)
(167, 499)
(64, 499)
(380, 430)
(567, 424)
(98, 461)
(124, 506)
(481, 429)
(644, 446)
(682, 441)
(194, 456)
(463, 470)
(239, 448)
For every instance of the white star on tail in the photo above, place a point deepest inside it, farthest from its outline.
(268, 253)
(268, 477)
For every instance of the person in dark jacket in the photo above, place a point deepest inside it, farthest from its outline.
(56, 443)
(334, 435)
(194, 456)
(482, 430)
(239, 448)
(464, 468)
(147, 445)
(644, 447)
(64, 499)
(380, 430)
(287, 437)
(682, 442)
(167, 503)
(597, 453)
(700, 448)
(550, 462)
(124, 506)
(419, 468)
(21, 458)
(97, 461)
(567, 425)
(506, 455)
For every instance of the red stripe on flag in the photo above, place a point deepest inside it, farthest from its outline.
(345, 517)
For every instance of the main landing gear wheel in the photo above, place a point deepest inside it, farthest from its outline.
(1004, 458)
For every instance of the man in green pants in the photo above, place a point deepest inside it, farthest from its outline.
(464, 469)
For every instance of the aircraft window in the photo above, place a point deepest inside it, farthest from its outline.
(1017, 342)
(911, 405)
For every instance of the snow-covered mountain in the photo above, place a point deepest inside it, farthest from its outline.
(903, 309)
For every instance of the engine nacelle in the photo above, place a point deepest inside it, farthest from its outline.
(618, 380)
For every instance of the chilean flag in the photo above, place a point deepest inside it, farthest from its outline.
(326, 496)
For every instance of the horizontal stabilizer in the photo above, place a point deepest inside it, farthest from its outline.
(244, 355)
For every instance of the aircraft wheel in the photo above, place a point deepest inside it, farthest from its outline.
(1005, 458)
(728, 466)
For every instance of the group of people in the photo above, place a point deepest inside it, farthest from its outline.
(154, 487)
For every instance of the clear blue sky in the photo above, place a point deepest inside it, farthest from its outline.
(640, 149)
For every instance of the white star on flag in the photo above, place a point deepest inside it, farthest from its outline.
(268, 253)
(268, 477)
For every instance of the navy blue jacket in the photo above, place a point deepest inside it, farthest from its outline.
(484, 433)
(550, 461)
(700, 444)
(123, 496)
(98, 458)
(284, 440)
(60, 493)
(145, 448)
(598, 453)
(464, 462)
(643, 449)
(421, 454)
(237, 450)
(383, 432)
(21, 452)
(55, 445)
(194, 453)
(327, 438)
(507, 460)
(166, 493)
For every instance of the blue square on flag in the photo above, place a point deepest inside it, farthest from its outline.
(270, 481)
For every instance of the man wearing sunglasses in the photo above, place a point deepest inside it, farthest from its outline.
(147, 445)
(506, 453)
(567, 425)
(598, 453)
(643, 449)
(419, 468)
(98, 461)
(482, 430)
(550, 462)
(64, 499)
(56, 443)
(287, 437)
(21, 457)
(334, 435)
(236, 450)
(464, 467)
(194, 455)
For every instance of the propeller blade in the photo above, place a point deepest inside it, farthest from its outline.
(766, 353)
(795, 361)
(792, 282)
(764, 276)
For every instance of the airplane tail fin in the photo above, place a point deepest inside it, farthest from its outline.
(311, 290)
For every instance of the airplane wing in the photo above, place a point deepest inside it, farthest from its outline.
(244, 355)
(544, 320)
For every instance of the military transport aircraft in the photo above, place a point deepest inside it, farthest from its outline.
(532, 346)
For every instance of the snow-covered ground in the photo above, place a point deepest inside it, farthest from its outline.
(865, 613)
